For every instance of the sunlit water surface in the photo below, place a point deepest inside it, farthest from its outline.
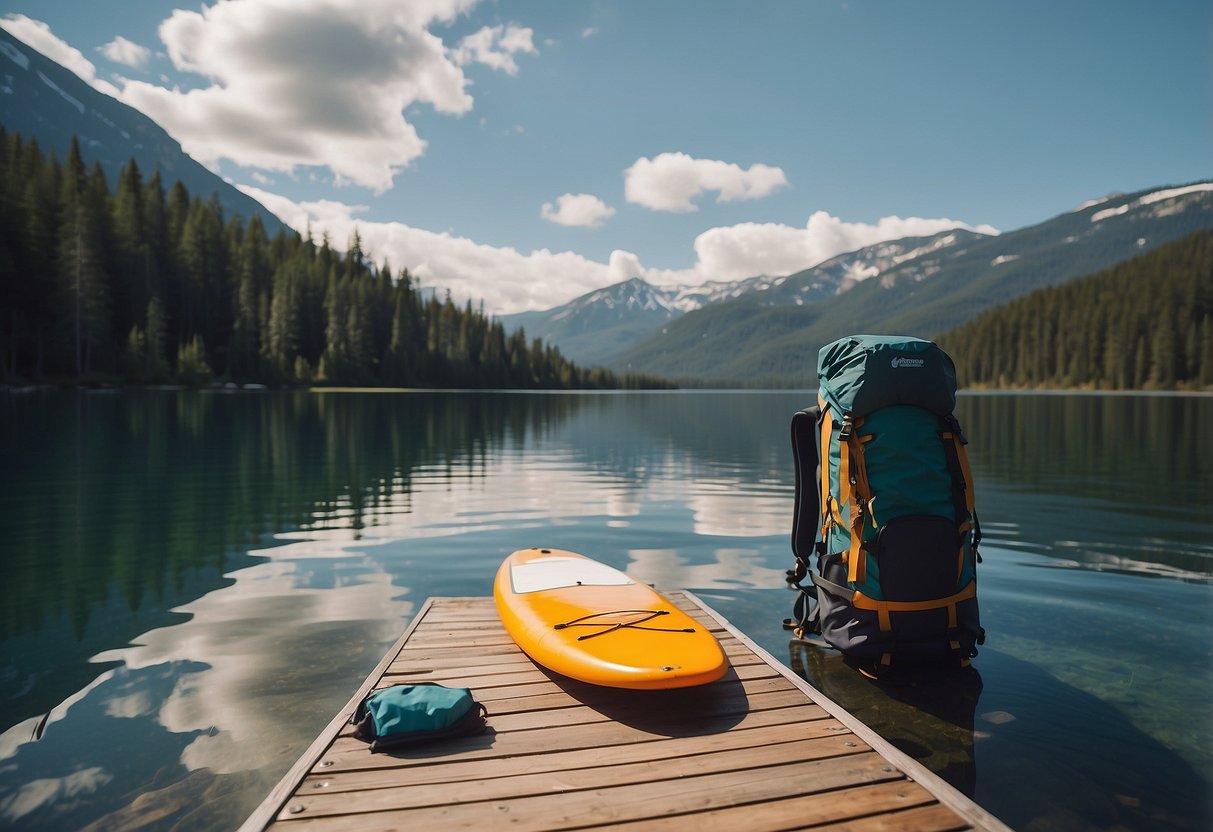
(194, 583)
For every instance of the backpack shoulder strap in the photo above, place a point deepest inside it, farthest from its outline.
(807, 511)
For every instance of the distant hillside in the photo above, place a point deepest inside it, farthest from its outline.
(601, 325)
(757, 342)
(42, 100)
(1146, 323)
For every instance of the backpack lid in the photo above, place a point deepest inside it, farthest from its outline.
(862, 373)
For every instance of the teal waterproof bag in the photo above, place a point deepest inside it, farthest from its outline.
(404, 715)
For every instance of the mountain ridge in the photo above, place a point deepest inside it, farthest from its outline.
(43, 100)
(770, 332)
(597, 326)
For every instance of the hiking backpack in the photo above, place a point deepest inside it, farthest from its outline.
(890, 513)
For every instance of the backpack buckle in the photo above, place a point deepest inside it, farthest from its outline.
(844, 433)
(953, 425)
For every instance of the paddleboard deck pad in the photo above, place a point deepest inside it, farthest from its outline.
(591, 622)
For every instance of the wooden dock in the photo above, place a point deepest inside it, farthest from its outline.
(758, 750)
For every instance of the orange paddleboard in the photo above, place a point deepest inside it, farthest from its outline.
(591, 622)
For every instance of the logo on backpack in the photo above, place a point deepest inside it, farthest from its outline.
(900, 361)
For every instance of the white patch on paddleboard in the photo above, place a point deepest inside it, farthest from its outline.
(558, 573)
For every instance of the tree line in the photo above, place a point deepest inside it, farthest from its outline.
(145, 283)
(1144, 324)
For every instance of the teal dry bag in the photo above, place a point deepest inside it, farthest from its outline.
(403, 715)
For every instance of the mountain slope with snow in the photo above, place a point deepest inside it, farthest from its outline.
(600, 325)
(923, 295)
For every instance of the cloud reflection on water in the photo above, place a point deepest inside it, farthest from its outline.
(257, 639)
(732, 569)
(46, 791)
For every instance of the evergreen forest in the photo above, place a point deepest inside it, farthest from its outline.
(143, 283)
(1144, 324)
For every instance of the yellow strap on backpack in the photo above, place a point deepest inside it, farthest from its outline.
(884, 609)
(827, 426)
(860, 497)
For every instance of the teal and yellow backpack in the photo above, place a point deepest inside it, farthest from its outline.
(884, 502)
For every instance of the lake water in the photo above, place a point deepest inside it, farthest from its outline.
(194, 583)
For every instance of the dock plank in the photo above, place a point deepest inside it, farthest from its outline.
(572, 809)
(523, 782)
(563, 761)
(757, 750)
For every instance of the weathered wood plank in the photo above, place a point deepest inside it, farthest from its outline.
(639, 721)
(566, 810)
(442, 771)
(323, 801)
(796, 812)
(348, 753)
(470, 653)
(460, 640)
(935, 818)
(675, 712)
(484, 679)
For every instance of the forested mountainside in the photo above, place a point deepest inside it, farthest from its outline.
(145, 283)
(1144, 324)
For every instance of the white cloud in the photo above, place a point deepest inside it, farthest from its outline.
(622, 266)
(670, 181)
(316, 83)
(589, 32)
(122, 51)
(37, 34)
(739, 251)
(583, 210)
(495, 46)
(508, 280)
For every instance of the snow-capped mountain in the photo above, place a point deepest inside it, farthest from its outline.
(598, 325)
(773, 326)
(946, 283)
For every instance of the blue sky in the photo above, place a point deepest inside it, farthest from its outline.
(526, 152)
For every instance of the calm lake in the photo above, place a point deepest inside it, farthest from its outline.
(194, 583)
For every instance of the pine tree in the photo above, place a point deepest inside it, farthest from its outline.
(192, 366)
(81, 264)
(132, 275)
(252, 279)
(156, 365)
(284, 324)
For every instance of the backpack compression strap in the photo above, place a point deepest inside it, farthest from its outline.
(851, 466)
(855, 497)
(827, 506)
(954, 442)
